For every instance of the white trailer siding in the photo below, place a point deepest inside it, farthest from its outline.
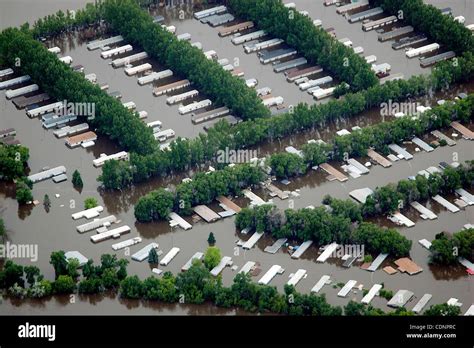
(371, 294)
(128, 60)
(101, 43)
(301, 249)
(445, 203)
(247, 267)
(248, 37)
(66, 60)
(12, 93)
(6, 72)
(116, 51)
(181, 97)
(225, 261)
(88, 213)
(126, 243)
(295, 279)
(44, 109)
(328, 251)
(185, 109)
(170, 256)
(122, 155)
(323, 93)
(180, 221)
(115, 233)
(138, 69)
(155, 76)
(321, 282)
(15, 81)
(97, 223)
(422, 303)
(189, 263)
(271, 273)
(415, 52)
(346, 288)
(142, 254)
(253, 240)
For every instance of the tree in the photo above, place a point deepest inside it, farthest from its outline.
(212, 257)
(32, 274)
(59, 262)
(72, 267)
(90, 286)
(153, 257)
(40, 289)
(122, 271)
(64, 284)
(77, 180)
(286, 164)
(11, 274)
(110, 278)
(211, 240)
(354, 309)
(442, 309)
(90, 202)
(131, 287)
(446, 249)
(23, 193)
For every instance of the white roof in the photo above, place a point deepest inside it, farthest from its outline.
(197, 256)
(371, 294)
(225, 261)
(142, 254)
(252, 240)
(89, 213)
(297, 277)
(346, 288)
(112, 233)
(247, 267)
(400, 298)
(168, 257)
(321, 282)
(422, 303)
(330, 248)
(271, 273)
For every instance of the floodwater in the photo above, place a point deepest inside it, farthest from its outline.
(56, 230)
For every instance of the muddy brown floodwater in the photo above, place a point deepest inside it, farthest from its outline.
(56, 230)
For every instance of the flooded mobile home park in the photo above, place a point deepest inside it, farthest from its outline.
(148, 89)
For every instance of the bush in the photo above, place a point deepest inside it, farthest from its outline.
(90, 202)
(64, 285)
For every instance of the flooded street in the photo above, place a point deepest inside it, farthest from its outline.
(57, 231)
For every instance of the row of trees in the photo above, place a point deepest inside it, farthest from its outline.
(377, 136)
(186, 154)
(202, 189)
(428, 19)
(60, 22)
(95, 279)
(314, 43)
(59, 81)
(404, 128)
(195, 286)
(446, 248)
(392, 197)
(342, 225)
(128, 19)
